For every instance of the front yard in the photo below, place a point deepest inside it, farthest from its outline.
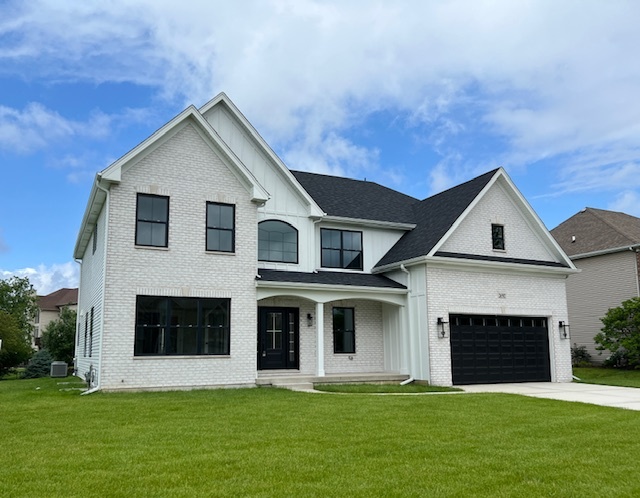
(608, 376)
(272, 442)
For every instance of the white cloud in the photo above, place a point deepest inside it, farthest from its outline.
(626, 202)
(46, 279)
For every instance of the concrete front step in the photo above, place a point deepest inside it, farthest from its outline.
(284, 380)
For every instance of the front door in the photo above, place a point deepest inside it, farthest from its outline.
(277, 338)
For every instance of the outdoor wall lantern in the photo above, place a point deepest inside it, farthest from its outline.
(442, 330)
(564, 329)
(309, 320)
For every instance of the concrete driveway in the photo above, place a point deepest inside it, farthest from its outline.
(617, 397)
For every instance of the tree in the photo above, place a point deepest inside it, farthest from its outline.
(59, 336)
(15, 349)
(621, 334)
(18, 298)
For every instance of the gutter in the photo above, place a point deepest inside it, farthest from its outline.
(602, 252)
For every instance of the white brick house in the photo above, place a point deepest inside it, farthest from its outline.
(206, 262)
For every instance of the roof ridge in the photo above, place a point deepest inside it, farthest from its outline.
(612, 226)
(487, 173)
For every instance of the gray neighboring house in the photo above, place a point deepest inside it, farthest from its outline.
(49, 309)
(605, 245)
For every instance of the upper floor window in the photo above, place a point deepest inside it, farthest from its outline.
(341, 249)
(497, 236)
(220, 227)
(277, 241)
(152, 215)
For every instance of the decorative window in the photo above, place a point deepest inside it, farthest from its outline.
(277, 241)
(220, 227)
(341, 249)
(152, 215)
(497, 236)
(182, 326)
(344, 330)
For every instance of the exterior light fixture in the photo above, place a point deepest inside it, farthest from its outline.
(442, 330)
(563, 327)
(309, 320)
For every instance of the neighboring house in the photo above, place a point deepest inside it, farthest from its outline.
(206, 262)
(49, 309)
(605, 246)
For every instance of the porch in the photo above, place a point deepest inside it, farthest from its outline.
(296, 380)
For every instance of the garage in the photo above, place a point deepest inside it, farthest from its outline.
(492, 349)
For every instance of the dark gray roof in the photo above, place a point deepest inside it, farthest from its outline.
(597, 230)
(433, 217)
(329, 278)
(480, 257)
(358, 199)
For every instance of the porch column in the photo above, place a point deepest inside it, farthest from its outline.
(320, 339)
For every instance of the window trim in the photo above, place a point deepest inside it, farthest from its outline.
(344, 332)
(232, 230)
(498, 239)
(342, 250)
(297, 243)
(165, 223)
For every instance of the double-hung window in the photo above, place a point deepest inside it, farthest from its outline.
(182, 326)
(220, 227)
(341, 249)
(344, 330)
(152, 220)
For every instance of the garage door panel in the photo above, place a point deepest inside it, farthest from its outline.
(490, 349)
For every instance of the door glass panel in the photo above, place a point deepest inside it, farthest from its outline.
(274, 330)
(292, 338)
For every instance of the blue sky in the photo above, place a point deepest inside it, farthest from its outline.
(418, 96)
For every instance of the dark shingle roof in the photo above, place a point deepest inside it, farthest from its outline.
(480, 257)
(434, 216)
(597, 230)
(329, 278)
(358, 199)
(57, 299)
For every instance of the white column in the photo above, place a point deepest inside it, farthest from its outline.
(320, 339)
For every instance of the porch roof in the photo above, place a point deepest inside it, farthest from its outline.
(329, 278)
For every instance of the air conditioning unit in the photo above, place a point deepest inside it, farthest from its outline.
(58, 369)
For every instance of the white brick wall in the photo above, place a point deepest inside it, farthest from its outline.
(186, 169)
(469, 292)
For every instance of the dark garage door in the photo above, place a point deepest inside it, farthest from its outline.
(494, 349)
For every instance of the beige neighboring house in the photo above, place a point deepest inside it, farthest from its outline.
(605, 246)
(49, 309)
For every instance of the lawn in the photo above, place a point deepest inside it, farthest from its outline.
(608, 376)
(372, 388)
(273, 442)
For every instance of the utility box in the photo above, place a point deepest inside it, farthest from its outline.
(58, 369)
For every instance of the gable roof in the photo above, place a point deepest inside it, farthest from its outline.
(434, 216)
(357, 199)
(597, 231)
(56, 300)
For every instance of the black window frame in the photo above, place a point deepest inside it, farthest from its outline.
(340, 344)
(231, 230)
(497, 237)
(91, 333)
(86, 334)
(295, 231)
(342, 250)
(152, 221)
(163, 338)
(94, 244)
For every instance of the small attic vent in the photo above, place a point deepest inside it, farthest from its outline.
(58, 369)
(573, 239)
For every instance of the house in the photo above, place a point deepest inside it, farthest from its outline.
(605, 246)
(206, 262)
(49, 309)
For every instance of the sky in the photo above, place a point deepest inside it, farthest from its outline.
(415, 95)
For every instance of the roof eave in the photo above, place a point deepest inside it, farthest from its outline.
(394, 225)
(602, 252)
(312, 286)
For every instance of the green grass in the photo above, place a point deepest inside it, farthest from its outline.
(608, 376)
(274, 442)
(382, 388)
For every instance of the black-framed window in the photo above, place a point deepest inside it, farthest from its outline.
(497, 236)
(86, 334)
(91, 334)
(95, 240)
(277, 241)
(221, 221)
(152, 220)
(182, 326)
(344, 330)
(341, 249)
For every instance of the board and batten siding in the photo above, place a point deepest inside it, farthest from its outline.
(603, 283)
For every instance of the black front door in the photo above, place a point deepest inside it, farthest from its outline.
(277, 338)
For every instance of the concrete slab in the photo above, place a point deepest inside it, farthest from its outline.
(613, 396)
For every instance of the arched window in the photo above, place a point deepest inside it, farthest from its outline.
(277, 241)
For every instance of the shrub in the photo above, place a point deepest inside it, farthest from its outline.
(580, 357)
(39, 366)
(621, 334)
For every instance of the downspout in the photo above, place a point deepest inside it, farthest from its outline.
(407, 341)
(104, 285)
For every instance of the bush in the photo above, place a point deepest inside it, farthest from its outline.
(39, 366)
(621, 335)
(580, 357)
